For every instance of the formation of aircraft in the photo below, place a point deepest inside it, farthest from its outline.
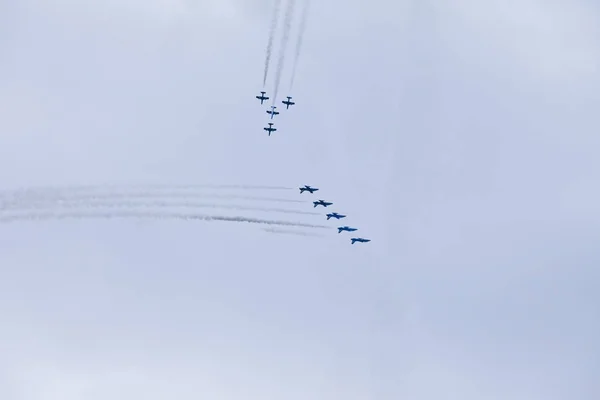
(270, 128)
(321, 203)
(308, 188)
(272, 112)
(345, 228)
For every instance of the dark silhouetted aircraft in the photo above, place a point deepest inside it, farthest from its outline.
(335, 215)
(272, 111)
(354, 240)
(288, 102)
(346, 228)
(321, 203)
(262, 97)
(307, 188)
(270, 128)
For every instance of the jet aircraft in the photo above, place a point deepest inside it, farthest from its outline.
(335, 215)
(262, 97)
(270, 128)
(272, 111)
(288, 102)
(346, 228)
(307, 188)
(354, 240)
(321, 203)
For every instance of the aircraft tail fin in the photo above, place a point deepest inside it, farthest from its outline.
(340, 230)
(329, 216)
(353, 241)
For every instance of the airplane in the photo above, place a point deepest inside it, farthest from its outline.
(272, 111)
(321, 203)
(354, 240)
(288, 102)
(346, 228)
(270, 128)
(335, 215)
(262, 97)
(308, 188)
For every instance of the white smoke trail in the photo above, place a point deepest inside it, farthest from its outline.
(291, 232)
(57, 197)
(45, 216)
(127, 203)
(301, 30)
(287, 25)
(272, 29)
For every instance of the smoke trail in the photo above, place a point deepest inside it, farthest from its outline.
(42, 216)
(301, 30)
(272, 30)
(21, 192)
(111, 204)
(289, 13)
(62, 197)
(291, 232)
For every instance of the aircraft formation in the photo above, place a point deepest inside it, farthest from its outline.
(285, 35)
(325, 204)
(263, 97)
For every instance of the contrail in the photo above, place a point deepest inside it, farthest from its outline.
(42, 216)
(291, 232)
(80, 188)
(111, 204)
(289, 13)
(301, 30)
(41, 197)
(272, 30)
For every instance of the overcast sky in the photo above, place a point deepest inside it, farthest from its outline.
(461, 136)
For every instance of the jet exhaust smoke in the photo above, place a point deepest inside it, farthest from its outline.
(41, 216)
(301, 30)
(272, 30)
(57, 197)
(287, 25)
(127, 203)
(291, 232)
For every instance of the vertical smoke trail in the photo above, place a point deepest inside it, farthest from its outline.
(289, 13)
(272, 30)
(300, 38)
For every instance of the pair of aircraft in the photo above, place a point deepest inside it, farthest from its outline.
(307, 188)
(270, 129)
(287, 102)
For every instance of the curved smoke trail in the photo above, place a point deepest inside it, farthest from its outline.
(42, 216)
(54, 198)
(290, 232)
(287, 25)
(128, 203)
(301, 30)
(272, 30)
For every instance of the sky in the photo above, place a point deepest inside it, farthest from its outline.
(461, 137)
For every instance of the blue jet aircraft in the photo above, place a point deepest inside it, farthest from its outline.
(272, 111)
(307, 188)
(335, 215)
(354, 240)
(288, 102)
(270, 128)
(262, 97)
(321, 203)
(346, 228)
